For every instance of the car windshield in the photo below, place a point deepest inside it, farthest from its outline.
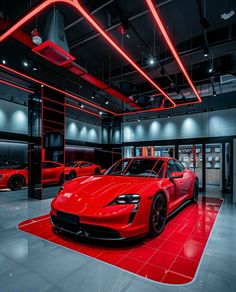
(137, 167)
(72, 164)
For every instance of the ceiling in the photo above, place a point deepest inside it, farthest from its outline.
(141, 39)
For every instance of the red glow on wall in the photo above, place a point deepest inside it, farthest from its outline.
(16, 86)
(55, 88)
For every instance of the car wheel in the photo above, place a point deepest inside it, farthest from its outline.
(158, 215)
(97, 171)
(72, 175)
(195, 192)
(16, 182)
(61, 180)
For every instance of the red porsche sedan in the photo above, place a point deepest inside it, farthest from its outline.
(16, 178)
(133, 198)
(79, 168)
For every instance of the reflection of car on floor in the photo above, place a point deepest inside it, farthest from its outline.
(133, 198)
(16, 178)
(80, 168)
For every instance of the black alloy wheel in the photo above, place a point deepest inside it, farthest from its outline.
(158, 215)
(16, 182)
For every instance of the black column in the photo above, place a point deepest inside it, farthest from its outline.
(35, 146)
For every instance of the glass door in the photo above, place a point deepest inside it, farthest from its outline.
(213, 169)
(191, 157)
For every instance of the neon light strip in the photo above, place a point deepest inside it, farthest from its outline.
(164, 32)
(83, 110)
(54, 88)
(16, 86)
(95, 25)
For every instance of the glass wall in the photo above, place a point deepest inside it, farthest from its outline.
(191, 157)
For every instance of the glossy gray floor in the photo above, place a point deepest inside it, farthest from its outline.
(31, 264)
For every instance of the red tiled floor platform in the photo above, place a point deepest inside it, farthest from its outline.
(172, 257)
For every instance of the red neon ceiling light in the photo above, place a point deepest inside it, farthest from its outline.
(56, 89)
(16, 86)
(87, 16)
(164, 32)
(83, 110)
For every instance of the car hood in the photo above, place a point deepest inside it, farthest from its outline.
(99, 191)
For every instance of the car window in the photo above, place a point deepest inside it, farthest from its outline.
(159, 168)
(85, 164)
(179, 166)
(118, 167)
(171, 167)
(141, 167)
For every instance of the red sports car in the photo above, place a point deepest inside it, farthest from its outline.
(80, 168)
(16, 178)
(133, 198)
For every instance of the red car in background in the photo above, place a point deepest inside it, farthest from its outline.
(80, 168)
(16, 178)
(133, 198)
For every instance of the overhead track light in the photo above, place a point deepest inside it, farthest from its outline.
(169, 43)
(206, 52)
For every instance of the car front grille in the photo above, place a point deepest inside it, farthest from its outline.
(91, 231)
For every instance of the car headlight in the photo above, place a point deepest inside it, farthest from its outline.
(127, 199)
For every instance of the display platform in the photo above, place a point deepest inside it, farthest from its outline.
(173, 257)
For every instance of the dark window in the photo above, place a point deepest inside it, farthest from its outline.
(85, 164)
(159, 168)
(171, 167)
(179, 166)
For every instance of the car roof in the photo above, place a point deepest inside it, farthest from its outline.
(152, 157)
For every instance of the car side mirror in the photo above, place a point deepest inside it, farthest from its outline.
(103, 171)
(176, 174)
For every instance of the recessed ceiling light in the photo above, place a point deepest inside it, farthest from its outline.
(138, 119)
(25, 64)
(35, 69)
(100, 113)
(210, 70)
(4, 62)
(151, 61)
(107, 101)
(206, 52)
(81, 105)
(127, 35)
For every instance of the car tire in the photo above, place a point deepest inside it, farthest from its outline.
(195, 192)
(16, 182)
(97, 171)
(158, 215)
(72, 175)
(61, 180)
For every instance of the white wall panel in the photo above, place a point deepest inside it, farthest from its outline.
(13, 117)
(80, 131)
(207, 124)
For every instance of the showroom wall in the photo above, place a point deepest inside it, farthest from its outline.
(206, 124)
(13, 118)
(81, 131)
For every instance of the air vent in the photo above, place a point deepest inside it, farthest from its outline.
(55, 47)
(53, 53)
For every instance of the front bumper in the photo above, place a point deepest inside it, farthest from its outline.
(103, 227)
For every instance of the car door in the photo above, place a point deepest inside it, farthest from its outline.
(187, 178)
(50, 172)
(177, 182)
